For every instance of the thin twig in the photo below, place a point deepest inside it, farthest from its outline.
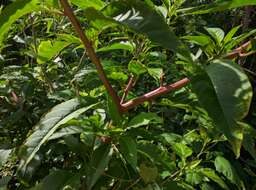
(90, 51)
(127, 89)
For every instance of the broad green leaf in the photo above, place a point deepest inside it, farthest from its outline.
(225, 92)
(210, 173)
(128, 148)
(144, 119)
(47, 50)
(136, 68)
(69, 130)
(59, 179)
(223, 166)
(13, 12)
(182, 150)
(217, 34)
(199, 40)
(48, 124)
(143, 19)
(194, 177)
(117, 46)
(99, 162)
(148, 173)
(218, 5)
(4, 155)
(170, 138)
(97, 4)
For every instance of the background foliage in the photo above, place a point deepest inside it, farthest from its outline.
(60, 129)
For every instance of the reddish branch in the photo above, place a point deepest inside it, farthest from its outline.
(123, 107)
(240, 51)
(90, 52)
(155, 93)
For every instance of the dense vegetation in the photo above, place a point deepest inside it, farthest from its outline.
(174, 108)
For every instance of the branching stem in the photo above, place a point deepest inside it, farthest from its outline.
(122, 107)
(90, 51)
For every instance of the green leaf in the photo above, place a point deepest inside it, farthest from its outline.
(237, 40)
(13, 12)
(194, 177)
(59, 179)
(99, 162)
(113, 111)
(223, 166)
(48, 124)
(210, 173)
(136, 68)
(4, 156)
(249, 139)
(117, 46)
(156, 73)
(47, 50)
(4, 182)
(148, 173)
(182, 150)
(230, 34)
(144, 119)
(97, 4)
(143, 19)
(225, 92)
(199, 40)
(218, 5)
(172, 185)
(128, 148)
(217, 34)
(69, 130)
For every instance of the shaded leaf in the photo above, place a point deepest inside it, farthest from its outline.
(59, 179)
(210, 173)
(223, 166)
(100, 159)
(48, 124)
(128, 148)
(148, 173)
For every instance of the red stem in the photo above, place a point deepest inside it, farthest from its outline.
(153, 94)
(239, 51)
(90, 52)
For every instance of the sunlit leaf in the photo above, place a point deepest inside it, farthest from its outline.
(225, 92)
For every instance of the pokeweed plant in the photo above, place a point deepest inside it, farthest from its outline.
(90, 138)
